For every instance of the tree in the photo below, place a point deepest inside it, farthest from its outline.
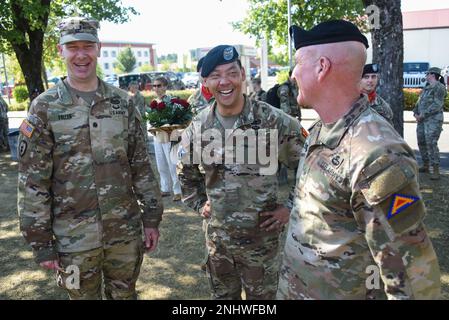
(25, 25)
(126, 61)
(388, 52)
(268, 19)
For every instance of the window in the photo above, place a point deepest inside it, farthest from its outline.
(114, 65)
(113, 54)
(140, 64)
(145, 53)
(106, 66)
(105, 54)
(139, 53)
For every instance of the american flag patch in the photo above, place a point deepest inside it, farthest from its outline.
(26, 128)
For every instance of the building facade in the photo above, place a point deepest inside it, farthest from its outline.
(144, 52)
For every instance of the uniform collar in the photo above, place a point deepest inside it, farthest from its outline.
(246, 117)
(331, 138)
(65, 97)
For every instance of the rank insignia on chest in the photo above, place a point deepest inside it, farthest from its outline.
(399, 203)
(27, 129)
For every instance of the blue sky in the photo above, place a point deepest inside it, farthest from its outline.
(180, 25)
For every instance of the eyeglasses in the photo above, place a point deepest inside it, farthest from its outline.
(157, 85)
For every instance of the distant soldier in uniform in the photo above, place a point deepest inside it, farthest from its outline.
(202, 97)
(356, 228)
(139, 100)
(237, 197)
(368, 85)
(86, 191)
(429, 115)
(258, 94)
(288, 93)
(4, 146)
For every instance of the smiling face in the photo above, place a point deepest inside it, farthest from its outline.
(225, 83)
(81, 60)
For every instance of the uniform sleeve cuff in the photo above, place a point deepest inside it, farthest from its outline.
(152, 223)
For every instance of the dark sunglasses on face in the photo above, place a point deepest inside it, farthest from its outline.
(157, 85)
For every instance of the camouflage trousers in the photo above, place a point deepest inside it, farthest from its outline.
(115, 268)
(249, 263)
(4, 146)
(428, 134)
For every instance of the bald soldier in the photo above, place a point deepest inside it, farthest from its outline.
(86, 192)
(356, 228)
(238, 193)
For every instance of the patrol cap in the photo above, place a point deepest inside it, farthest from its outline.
(434, 70)
(370, 68)
(327, 32)
(219, 55)
(78, 29)
(200, 64)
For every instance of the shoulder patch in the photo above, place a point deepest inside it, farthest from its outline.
(27, 129)
(399, 203)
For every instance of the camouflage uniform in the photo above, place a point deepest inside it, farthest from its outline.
(430, 105)
(139, 102)
(358, 206)
(86, 186)
(240, 253)
(288, 93)
(383, 108)
(4, 146)
(198, 101)
(258, 96)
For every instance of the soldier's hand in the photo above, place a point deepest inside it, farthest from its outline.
(277, 218)
(205, 211)
(51, 265)
(151, 238)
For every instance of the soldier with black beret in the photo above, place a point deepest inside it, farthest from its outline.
(237, 198)
(356, 228)
(368, 86)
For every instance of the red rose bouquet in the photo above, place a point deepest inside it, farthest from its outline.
(170, 112)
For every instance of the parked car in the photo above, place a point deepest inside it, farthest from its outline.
(112, 79)
(191, 79)
(415, 74)
(174, 82)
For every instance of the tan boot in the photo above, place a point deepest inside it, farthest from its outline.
(424, 168)
(436, 173)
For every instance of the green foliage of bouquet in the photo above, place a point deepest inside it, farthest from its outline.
(170, 111)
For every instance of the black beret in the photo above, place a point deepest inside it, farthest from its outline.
(219, 55)
(199, 65)
(370, 68)
(327, 32)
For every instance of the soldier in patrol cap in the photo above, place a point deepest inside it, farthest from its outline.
(139, 100)
(429, 115)
(368, 85)
(88, 201)
(238, 198)
(356, 228)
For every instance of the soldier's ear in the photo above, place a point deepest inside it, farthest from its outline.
(59, 46)
(323, 67)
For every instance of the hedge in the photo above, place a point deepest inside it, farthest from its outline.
(20, 93)
(410, 98)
